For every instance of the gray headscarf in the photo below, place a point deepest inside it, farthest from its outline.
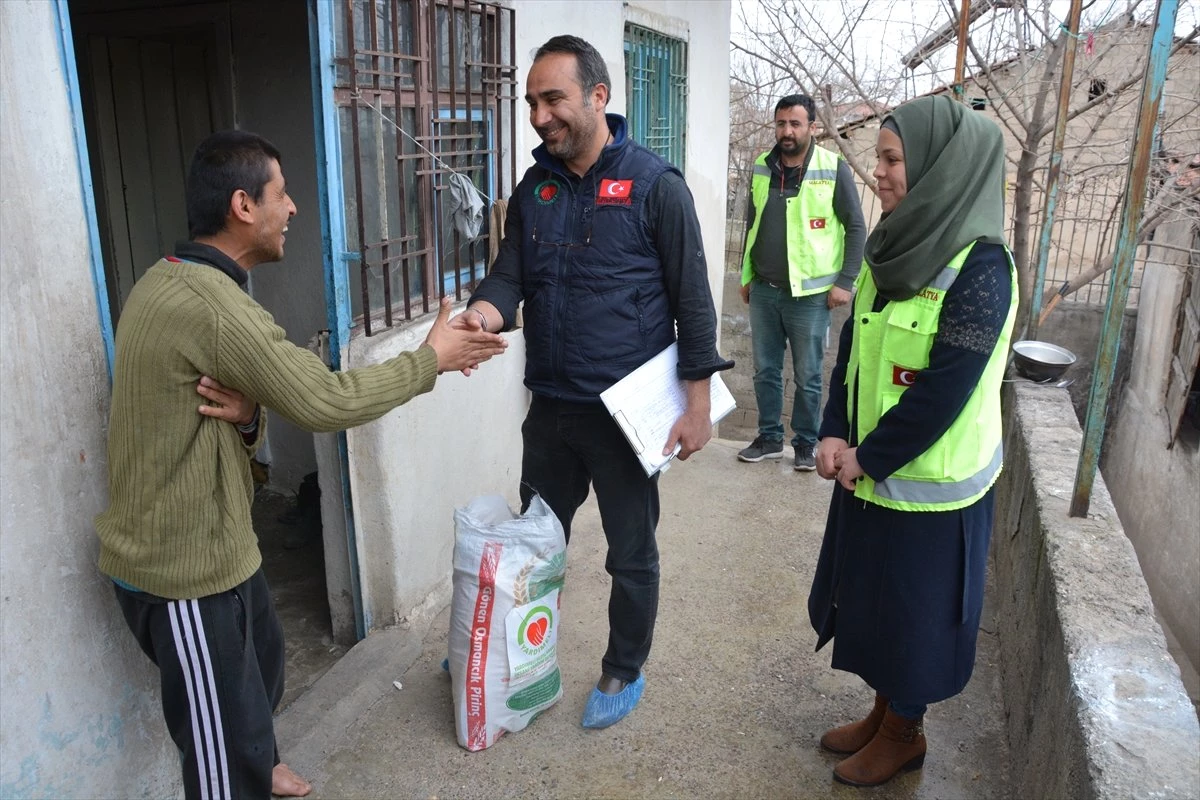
(954, 164)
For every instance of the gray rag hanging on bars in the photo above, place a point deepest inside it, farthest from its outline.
(466, 206)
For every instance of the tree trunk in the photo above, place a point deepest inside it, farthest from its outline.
(1027, 165)
(1022, 204)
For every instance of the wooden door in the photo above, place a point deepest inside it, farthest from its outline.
(152, 90)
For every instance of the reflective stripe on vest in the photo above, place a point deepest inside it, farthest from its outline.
(815, 237)
(904, 490)
(812, 284)
(959, 467)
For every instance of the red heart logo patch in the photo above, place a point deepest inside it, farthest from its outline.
(535, 632)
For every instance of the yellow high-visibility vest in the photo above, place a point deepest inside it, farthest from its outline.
(889, 350)
(815, 237)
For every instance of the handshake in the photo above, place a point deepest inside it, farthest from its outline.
(462, 343)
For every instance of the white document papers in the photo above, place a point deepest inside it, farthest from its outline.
(647, 402)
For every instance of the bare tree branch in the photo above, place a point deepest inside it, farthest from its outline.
(825, 50)
(1180, 43)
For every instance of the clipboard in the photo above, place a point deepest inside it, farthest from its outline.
(646, 403)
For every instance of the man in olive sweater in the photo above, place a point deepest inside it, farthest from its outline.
(176, 538)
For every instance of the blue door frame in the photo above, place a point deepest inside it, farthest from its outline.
(331, 208)
(66, 52)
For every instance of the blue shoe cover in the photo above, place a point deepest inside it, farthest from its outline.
(603, 709)
(445, 665)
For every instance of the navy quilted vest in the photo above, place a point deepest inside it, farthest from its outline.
(595, 302)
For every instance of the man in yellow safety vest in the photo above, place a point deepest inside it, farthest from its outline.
(804, 248)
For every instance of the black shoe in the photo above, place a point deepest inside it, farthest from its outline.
(759, 449)
(805, 461)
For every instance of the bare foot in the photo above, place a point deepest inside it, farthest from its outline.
(286, 783)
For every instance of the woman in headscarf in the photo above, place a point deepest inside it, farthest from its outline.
(911, 433)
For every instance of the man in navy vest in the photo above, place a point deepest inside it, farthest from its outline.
(603, 247)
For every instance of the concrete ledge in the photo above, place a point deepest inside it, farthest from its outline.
(310, 730)
(1095, 705)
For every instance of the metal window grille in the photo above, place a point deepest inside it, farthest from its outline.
(1085, 231)
(423, 87)
(656, 91)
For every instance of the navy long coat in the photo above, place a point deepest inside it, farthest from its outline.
(900, 592)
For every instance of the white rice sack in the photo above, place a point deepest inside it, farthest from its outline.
(504, 616)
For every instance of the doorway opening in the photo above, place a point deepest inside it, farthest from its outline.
(156, 77)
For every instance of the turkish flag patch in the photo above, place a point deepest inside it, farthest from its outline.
(614, 192)
(902, 376)
(816, 224)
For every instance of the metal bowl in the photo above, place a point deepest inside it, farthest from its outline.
(1041, 361)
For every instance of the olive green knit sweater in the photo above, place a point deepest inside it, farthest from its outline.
(178, 523)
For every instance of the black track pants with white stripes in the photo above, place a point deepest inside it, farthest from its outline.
(221, 662)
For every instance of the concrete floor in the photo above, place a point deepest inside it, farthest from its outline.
(735, 702)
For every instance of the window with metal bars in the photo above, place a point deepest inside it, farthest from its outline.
(424, 88)
(656, 91)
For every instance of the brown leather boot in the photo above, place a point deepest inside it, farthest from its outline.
(854, 737)
(899, 746)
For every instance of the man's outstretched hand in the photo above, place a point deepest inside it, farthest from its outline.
(461, 347)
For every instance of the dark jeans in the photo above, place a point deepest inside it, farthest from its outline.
(779, 321)
(568, 446)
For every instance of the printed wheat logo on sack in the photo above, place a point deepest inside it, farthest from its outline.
(541, 575)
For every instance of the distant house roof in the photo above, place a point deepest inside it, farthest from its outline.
(867, 113)
(949, 32)
(850, 113)
(1123, 22)
(851, 116)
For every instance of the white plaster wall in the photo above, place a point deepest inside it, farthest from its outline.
(1155, 488)
(412, 467)
(79, 712)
